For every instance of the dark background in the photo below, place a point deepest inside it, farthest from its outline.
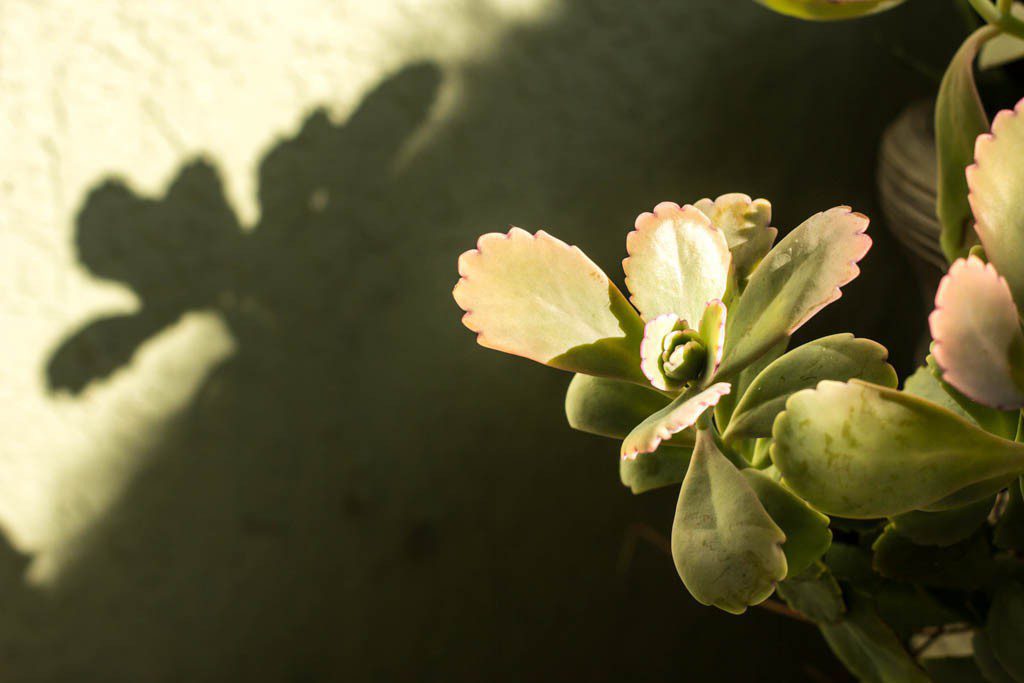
(362, 493)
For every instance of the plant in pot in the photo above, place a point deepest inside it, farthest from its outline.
(893, 519)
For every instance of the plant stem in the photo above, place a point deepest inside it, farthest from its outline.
(1001, 17)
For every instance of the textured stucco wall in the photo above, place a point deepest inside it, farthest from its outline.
(244, 434)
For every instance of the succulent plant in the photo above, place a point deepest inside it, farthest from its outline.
(691, 375)
(891, 518)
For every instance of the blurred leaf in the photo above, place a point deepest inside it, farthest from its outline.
(959, 119)
(996, 182)
(860, 450)
(966, 564)
(681, 414)
(978, 343)
(799, 277)
(806, 529)
(1005, 628)
(726, 547)
(839, 357)
(815, 594)
(869, 648)
(986, 660)
(850, 563)
(827, 10)
(953, 670)
(1004, 48)
(908, 608)
(1009, 530)
(677, 262)
(664, 467)
(943, 528)
(537, 297)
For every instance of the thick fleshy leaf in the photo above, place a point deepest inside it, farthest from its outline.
(946, 527)
(1005, 47)
(999, 422)
(815, 593)
(678, 261)
(537, 297)
(986, 660)
(909, 608)
(712, 331)
(664, 467)
(799, 277)
(996, 182)
(869, 648)
(1005, 628)
(861, 450)
(924, 384)
(959, 119)
(746, 377)
(806, 529)
(745, 222)
(1009, 531)
(828, 10)
(967, 564)
(838, 357)
(681, 414)
(651, 350)
(978, 344)
(610, 407)
(726, 548)
(971, 494)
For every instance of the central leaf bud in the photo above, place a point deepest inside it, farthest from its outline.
(683, 356)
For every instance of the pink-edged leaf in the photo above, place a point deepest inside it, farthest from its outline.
(799, 277)
(745, 223)
(537, 297)
(682, 413)
(959, 119)
(978, 345)
(678, 261)
(996, 182)
(651, 350)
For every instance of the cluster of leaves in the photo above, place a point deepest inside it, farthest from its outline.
(891, 518)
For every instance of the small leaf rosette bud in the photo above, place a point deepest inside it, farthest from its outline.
(673, 355)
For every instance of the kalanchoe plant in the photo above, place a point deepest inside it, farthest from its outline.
(691, 375)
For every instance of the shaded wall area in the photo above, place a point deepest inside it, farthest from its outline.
(360, 492)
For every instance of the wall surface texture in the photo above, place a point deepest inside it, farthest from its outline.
(245, 436)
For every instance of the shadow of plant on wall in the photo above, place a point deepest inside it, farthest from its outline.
(337, 501)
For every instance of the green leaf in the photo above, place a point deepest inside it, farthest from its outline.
(664, 467)
(815, 594)
(869, 648)
(850, 563)
(681, 414)
(1005, 47)
(978, 343)
(828, 10)
(946, 527)
(907, 608)
(725, 407)
(839, 357)
(925, 384)
(999, 422)
(678, 261)
(967, 564)
(959, 119)
(609, 407)
(537, 297)
(986, 660)
(860, 450)
(726, 547)
(799, 277)
(1005, 628)
(806, 529)
(983, 490)
(1009, 531)
(745, 223)
(996, 182)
